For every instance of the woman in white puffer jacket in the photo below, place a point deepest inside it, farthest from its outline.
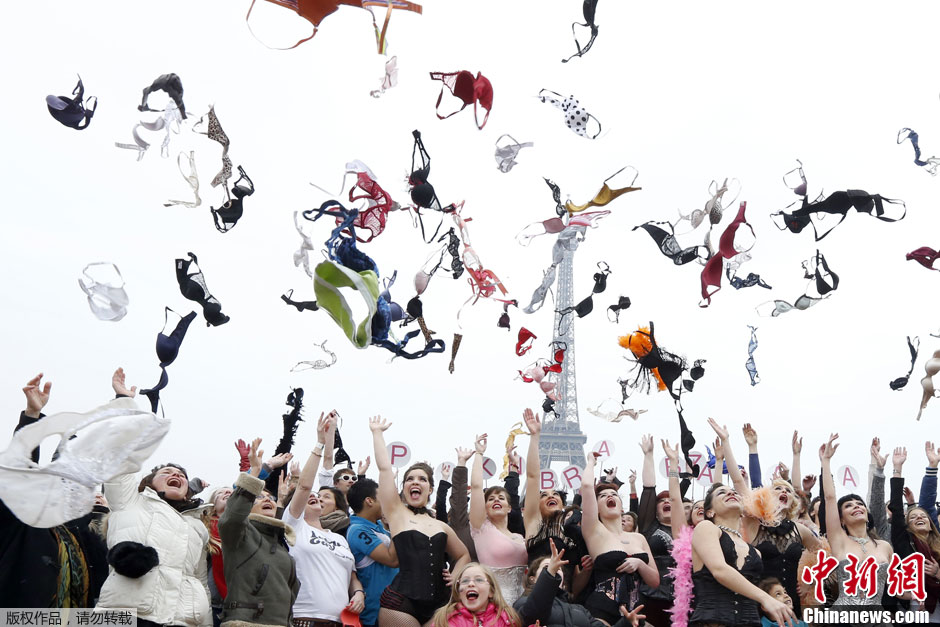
(157, 540)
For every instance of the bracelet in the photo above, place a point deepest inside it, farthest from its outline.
(317, 453)
(673, 473)
(360, 590)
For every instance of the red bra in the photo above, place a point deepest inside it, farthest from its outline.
(471, 90)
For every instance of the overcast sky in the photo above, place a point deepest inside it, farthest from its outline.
(686, 92)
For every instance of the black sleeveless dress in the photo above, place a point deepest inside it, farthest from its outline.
(613, 589)
(716, 604)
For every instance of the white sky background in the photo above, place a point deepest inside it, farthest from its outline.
(687, 92)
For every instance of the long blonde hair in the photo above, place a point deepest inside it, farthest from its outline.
(442, 616)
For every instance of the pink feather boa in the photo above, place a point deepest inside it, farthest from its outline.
(681, 575)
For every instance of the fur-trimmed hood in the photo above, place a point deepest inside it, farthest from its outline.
(277, 523)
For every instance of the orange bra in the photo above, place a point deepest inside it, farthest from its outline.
(315, 10)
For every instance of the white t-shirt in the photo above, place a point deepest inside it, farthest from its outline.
(324, 568)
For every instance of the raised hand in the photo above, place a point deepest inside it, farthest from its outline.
(377, 423)
(463, 454)
(783, 471)
(933, 457)
(283, 488)
(242, 447)
(445, 472)
(632, 479)
(119, 386)
(295, 470)
(750, 435)
(364, 465)
(909, 496)
(672, 453)
(720, 430)
(877, 458)
(36, 397)
(480, 444)
(610, 475)
(532, 421)
(899, 457)
(827, 450)
(255, 455)
(797, 444)
(514, 459)
(646, 444)
(279, 460)
(808, 482)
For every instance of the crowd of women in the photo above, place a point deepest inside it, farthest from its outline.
(297, 541)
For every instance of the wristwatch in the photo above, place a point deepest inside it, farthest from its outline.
(318, 449)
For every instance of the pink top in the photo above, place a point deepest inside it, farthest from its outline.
(496, 549)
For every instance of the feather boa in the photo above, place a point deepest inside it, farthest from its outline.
(681, 575)
(763, 504)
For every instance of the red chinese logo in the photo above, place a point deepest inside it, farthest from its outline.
(907, 575)
(862, 576)
(817, 574)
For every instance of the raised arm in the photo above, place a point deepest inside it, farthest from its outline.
(36, 399)
(309, 473)
(646, 512)
(388, 491)
(440, 500)
(675, 494)
(753, 461)
(795, 474)
(514, 520)
(876, 488)
(591, 527)
(720, 460)
(326, 471)
(477, 503)
(459, 516)
(248, 486)
(900, 539)
(531, 516)
(834, 531)
(740, 485)
(928, 486)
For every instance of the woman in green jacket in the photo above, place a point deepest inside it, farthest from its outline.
(259, 571)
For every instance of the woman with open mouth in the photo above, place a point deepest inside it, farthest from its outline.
(621, 559)
(726, 569)
(260, 576)
(157, 544)
(325, 563)
(850, 529)
(476, 601)
(422, 542)
(544, 510)
(916, 531)
(770, 520)
(502, 551)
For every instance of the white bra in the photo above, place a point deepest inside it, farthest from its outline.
(107, 298)
(111, 440)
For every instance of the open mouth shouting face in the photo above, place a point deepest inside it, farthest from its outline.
(785, 495)
(264, 505)
(172, 482)
(314, 505)
(416, 488)
(550, 502)
(474, 589)
(608, 502)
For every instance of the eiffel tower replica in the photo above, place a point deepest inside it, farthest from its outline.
(562, 440)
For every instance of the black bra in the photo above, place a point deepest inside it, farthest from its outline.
(193, 287)
(230, 213)
(71, 112)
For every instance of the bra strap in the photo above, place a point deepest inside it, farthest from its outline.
(283, 4)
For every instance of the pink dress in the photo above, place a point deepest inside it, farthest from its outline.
(505, 555)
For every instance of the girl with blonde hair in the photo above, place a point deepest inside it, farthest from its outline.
(476, 601)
